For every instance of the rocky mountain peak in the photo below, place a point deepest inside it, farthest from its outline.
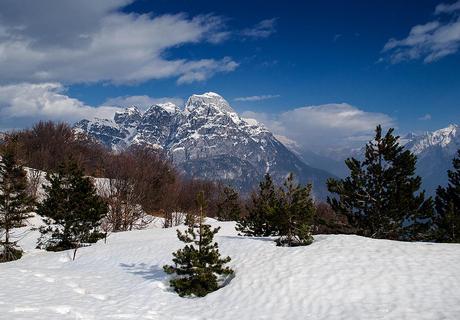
(446, 138)
(130, 116)
(169, 107)
(199, 103)
(207, 140)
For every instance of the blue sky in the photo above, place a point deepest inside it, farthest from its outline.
(284, 54)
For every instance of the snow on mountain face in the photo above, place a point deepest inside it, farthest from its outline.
(435, 151)
(446, 138)
(208, 139)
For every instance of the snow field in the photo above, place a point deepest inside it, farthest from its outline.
(337, 277)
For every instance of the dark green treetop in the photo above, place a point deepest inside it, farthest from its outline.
(381, 195)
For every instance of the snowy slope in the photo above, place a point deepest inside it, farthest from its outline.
(337, 277)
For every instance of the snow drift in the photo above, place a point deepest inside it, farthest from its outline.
(337, 277)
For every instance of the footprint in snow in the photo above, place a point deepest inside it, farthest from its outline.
(76, 288)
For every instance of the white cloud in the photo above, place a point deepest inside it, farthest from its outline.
(142, 102)
(263, 29)
(430, 41)
(258, 98)
(324, 127)
(91, 41)
(447, 8)
(203, 69)
(23, 104)
(425, 117)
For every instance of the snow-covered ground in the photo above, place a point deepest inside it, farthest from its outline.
(337, 277)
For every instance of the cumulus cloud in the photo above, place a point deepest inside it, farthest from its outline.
(263, 29)
(258, 98)
(90, 41)
(23, 104)
(325, 126)
(142, 102)
(430, 41)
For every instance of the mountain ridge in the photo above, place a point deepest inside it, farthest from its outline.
(206, 139)
(435, 151)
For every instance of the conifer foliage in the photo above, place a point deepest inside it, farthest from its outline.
(381, 195)
(14, 203)
(228, 206)
(295, 215)
(287, 212)
(72, 210)
(448, 205)
(261, 218)
(198, 266)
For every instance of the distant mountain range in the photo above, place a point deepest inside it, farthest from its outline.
(207, 139)
(435, 151)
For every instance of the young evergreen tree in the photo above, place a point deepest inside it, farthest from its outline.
(198, 266)
(72, 210)
(229, 206)
(448, 205)
(15, 204)
(381, 195)
(262, 212)
(295, 215)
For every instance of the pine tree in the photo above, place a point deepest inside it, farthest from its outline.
(15, 204)
(198, 266)
(262, 212)
(381, 196)
(295, 215)
(228, 207)
(72, 210)
(448, 205)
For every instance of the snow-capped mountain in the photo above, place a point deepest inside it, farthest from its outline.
(435, 151)
(206, 139)
(446, 139)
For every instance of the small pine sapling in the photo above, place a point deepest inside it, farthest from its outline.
(198, 267)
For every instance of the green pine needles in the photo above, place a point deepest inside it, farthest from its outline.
(448, 206)
(262, 211)
(286, 212)
(72, 210)
(296, 212)
(381, 197)
(15, 203)
(228, 205)
(198, 267)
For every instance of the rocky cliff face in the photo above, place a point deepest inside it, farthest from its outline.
(207, 139)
